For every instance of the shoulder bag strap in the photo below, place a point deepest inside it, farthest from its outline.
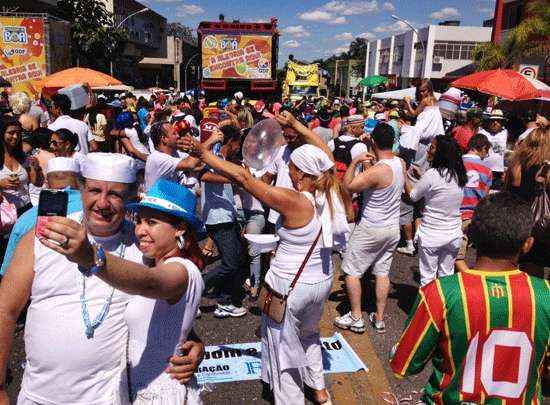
(304, 263)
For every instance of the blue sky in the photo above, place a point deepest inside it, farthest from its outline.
(317, 29)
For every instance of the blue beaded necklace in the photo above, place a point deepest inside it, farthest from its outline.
(92, 326)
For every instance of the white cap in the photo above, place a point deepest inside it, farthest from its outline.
(109, 167)
(102, 96)
(62, 164)
(191, 120)
(239, 95)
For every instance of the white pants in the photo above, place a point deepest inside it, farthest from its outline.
(291, 351)
(437, 261)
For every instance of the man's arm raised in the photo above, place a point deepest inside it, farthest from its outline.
(15, 291)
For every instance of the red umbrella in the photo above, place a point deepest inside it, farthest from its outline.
(504, 83)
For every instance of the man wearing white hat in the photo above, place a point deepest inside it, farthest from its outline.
(498, 136)
(68, 309)
(61, 173)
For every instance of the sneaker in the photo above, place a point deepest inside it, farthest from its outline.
(406, 250)
(347, 321)
(224, 311)
(379, 326)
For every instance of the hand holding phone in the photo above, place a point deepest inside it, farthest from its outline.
(51, 203)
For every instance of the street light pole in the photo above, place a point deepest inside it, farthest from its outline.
(397, 18)
(186, 66)
(143, 10)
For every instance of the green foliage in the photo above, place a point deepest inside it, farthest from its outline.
(528, 39)
(94, 40)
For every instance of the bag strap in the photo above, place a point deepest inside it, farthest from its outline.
(303, 265)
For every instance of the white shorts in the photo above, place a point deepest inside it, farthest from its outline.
(369, 246)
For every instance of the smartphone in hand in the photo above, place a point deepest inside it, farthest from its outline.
(51, 203)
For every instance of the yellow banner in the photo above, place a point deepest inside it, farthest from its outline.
(22, 53)
(236, 56)
(302, 75)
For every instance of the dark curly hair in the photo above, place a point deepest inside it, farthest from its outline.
(447, 160)
(501, 224)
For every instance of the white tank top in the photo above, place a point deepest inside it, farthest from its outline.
(381, 206)
(64, 366)
(293, 247)
(155, 330)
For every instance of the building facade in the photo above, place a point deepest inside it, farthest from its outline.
(436, 52)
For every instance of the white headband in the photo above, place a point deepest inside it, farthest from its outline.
(311, 160)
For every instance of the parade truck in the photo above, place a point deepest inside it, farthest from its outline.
(301, 80)
(32, 46)
(238, 56)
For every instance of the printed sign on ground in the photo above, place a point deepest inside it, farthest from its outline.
(242, 361)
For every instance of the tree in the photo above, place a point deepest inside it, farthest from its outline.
(528, 39)
(358, 50)
(94, 40)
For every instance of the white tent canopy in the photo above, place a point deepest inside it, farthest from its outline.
(400, 94)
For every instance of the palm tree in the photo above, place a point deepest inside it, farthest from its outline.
(529, 38)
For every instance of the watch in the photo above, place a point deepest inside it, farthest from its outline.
(99, 259)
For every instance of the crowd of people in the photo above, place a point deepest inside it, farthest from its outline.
(160, 201)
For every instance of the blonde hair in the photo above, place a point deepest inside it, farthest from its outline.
(326, 183)
(534, 150)
(20, 102)
(245, 118)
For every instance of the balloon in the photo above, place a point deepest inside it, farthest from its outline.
(262, 143)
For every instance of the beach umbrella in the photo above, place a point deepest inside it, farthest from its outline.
(373, 81)
(504, 83)
(77, 75)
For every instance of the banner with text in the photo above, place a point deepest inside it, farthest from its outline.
(23, 59)
(242, 361)
(236, 56)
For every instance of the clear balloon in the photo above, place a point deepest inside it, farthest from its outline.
(262, 143)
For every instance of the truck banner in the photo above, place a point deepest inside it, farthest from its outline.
(242, 361)
(302, 75)
(236, 56)
(22, 53)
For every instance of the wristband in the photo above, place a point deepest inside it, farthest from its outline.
(99, 260)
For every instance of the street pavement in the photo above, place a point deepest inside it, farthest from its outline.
(373, 348)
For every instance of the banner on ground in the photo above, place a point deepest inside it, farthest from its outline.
(23, 56)
(236, 56)
(242, 361)
(302, 75)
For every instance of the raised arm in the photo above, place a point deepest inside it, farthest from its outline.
(285, 201)
(165, 281)
(15, 291)
(365, 179)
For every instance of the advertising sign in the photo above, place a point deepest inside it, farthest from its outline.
(22, 59)
(242, 361)
(302, 75)
(236, 56)
(531, 71)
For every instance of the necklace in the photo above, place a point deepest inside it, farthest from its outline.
(91, 326)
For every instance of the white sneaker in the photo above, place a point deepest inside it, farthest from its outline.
(224, 311)
(347, 321)
(379, 326)
(406, 250)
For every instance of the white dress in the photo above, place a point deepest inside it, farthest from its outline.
(155, 330)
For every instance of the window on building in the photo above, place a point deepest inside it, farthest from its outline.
(454, 49)
(513, 13)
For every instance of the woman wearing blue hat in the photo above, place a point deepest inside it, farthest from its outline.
(165, 228)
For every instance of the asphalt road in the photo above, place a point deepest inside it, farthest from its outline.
(372, 348)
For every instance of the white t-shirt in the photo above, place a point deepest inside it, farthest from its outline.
(495, 160)
(279, 167)
(80, 128)
(155, 330)
(356, 150)
(63, 366)
(441, 222)
(132, 135)
(161, 165)
(324, 133)
(19, 197)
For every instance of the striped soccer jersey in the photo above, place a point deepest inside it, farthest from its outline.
(488, 334)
